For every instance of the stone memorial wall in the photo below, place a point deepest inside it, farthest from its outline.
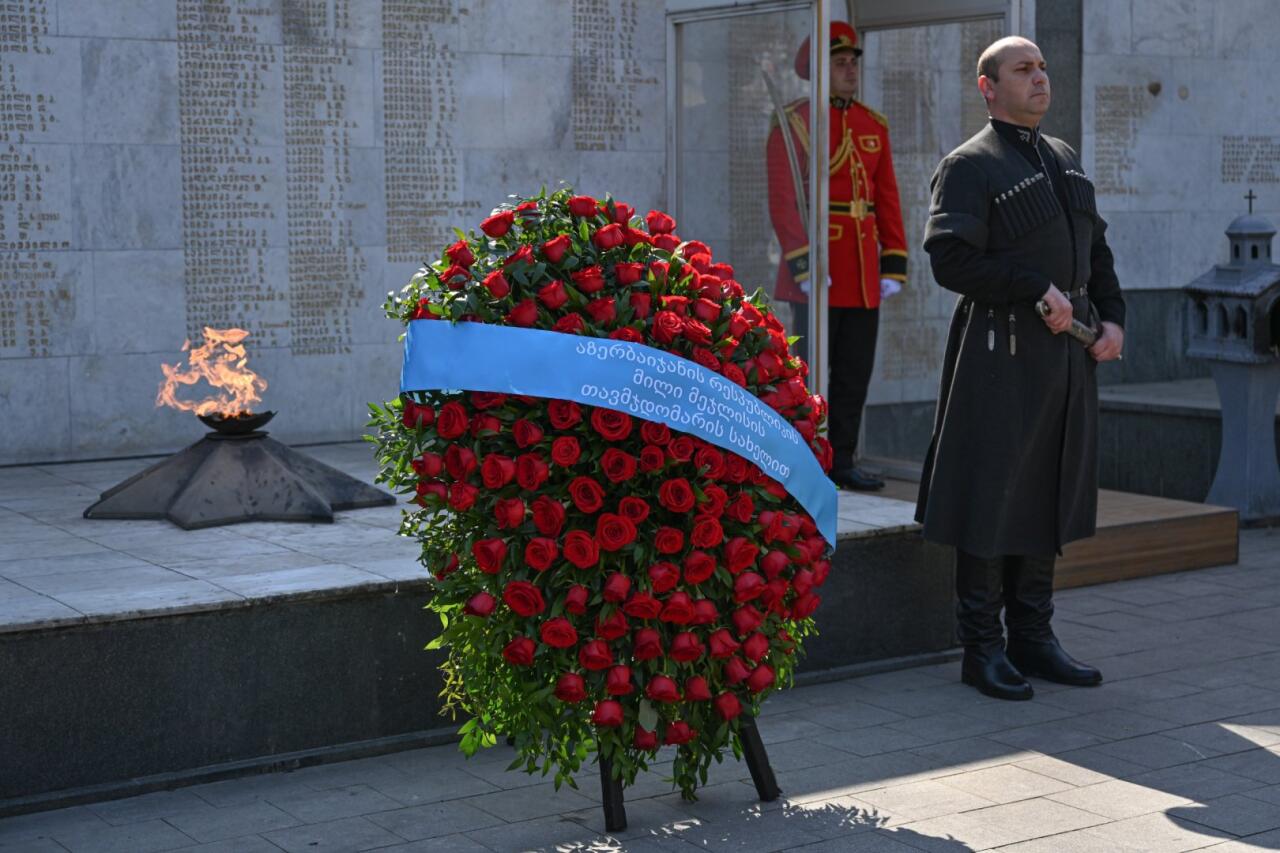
(167, 165)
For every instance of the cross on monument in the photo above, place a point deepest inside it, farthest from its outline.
(1251, 198)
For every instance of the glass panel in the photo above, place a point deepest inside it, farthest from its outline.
(724, 119)
(923, 79)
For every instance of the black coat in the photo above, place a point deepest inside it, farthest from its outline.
(1013, 464)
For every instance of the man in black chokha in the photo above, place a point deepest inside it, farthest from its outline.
(1012, 471)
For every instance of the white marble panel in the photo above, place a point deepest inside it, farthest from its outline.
(637, 178)
(136, 19)
(537, 101)
(47, 76)
(35, 413)
(1174, 27)
(1140, 243)
(1107, 26)
(130, 90)
(127, 196)
(139, 303)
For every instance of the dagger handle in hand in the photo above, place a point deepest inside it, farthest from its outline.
(1086, 335)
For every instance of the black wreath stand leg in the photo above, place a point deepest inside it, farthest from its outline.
(615, 812)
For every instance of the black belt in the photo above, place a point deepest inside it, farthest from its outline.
(847, 207)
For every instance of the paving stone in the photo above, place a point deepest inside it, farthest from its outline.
(1157, 833)
(920, 800)
(866, 842)
(937, 728)
(1261, 841)
(248, 789)
(873, 740)
(1000, 825)
(548, 833)
(247, 844)
(435, 819)
(1005, 784)
(349, 835)
(1079, 841)
(1118, 723)
(959, 756)
(1197, 782)
(852, 715)
(853, 775)
(37, 845)
(1156, 751)
(1118, 799)
(1093, 758)
(208, 823)
(445, 844)
(311, 806)
(1064, 771)
(143, 837)
(1260, 764)
(30, 827)
(1235, 813)
(531, 802)
(146, 807)
(1049, 738)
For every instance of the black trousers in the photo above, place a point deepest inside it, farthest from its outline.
(851, 354)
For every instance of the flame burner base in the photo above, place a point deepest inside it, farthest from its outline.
(228, 477)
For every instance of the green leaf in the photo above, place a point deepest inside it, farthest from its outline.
(648, 716)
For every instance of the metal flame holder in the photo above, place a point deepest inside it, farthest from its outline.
(237, 473)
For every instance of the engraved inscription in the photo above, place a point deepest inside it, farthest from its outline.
(1251, 159)
(1117, 113)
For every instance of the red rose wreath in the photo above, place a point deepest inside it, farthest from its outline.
(604, 583)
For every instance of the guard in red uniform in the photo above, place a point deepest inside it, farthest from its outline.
(867, 245)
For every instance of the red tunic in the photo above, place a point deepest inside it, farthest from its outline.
(867, 241)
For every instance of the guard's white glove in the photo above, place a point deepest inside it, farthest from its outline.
(889, 286)
(804, 285)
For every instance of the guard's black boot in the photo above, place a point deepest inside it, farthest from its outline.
(855, 478)
(978, 602)
(1028, 610)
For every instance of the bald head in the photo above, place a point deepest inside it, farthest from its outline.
(989, 62)
(1014, 81)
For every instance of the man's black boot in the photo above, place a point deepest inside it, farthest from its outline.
(853, 477)
(978, 602)
(1028, 610)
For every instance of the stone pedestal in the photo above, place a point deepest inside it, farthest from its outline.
(1248, 476)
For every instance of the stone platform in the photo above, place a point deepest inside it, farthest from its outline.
(136, 655)
(1179, 749)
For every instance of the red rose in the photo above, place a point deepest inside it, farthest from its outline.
(628, 273)
(460, 254)
(664, 577)
(735, 671)
(626, 333)
(462, 496)
(666, 326)
(652, 458)
(681, 448)
(448, 569)
(608, 237)
(742, 508)
(581, 549)
(608, 714)
(775, 563)
(706, 310)
(640, 304)
(648, 645)
(553, 295)
(659, 223)
(481, 604)
(603, 311)
(617, 465)
(595, 655)
(524, 314)
(660, 268)
(526, 433)
(613, 426)
(575, 601)
(520, 651)
(722, 644)
(636, 509)
(416, 415)
(678, 305)
(698, 566)
(668, 540)
(523, 255)
(531, 471)
(655, 433)
(570, 688)
(645, 740)
(662, 689)
(739, 553)
(614, 532)
(679, 733)
(565, 451)
(746, 619)
(455, 277)
(589, 279)
(696, 689)
(707, 532)
(558, 633)
(564, 413)
(523, 598)
(747, 587)
(756, 646)
(727, 706)
(696, 332)
(710, 461)
(509, 512)
(540, 552)
(821, 570)
(761, 678)
(735, 375)
(666, 242)
(677, 495)
(622, 212)
(432, 487)
(554, 249)
(498, 224)
(617, 681)
(489, 554)
(686, 647)
(678, 609)
(803, 581)
(613, 627)
(548, 515)
(487, 399)
(616, 587)
(805, 605)
(483, 423)
(583, 205)
(642, 605)
(704, 612)
(704, 357)
(774, 592)
(497, 284)
(587, 495)
(453, 421)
